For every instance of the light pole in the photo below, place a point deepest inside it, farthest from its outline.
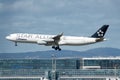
(53, 66)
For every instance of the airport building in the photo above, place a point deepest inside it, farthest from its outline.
(96, 68)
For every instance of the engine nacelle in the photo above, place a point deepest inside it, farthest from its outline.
(41, 42)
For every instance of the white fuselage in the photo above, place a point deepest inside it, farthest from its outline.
(56, 40)
(48, 39)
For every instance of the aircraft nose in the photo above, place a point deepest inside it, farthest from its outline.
(8, 37)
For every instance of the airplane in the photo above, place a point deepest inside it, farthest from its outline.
(57, 40)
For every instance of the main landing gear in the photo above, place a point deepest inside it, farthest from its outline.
(56, 48)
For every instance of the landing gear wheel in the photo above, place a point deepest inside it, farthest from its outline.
(53, 47)
(59, 49)
(56, 48)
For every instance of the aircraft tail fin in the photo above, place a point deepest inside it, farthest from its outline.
(100, 32)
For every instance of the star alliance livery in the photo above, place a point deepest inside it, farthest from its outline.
(57, 40)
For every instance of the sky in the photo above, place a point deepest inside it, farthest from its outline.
(72, 17)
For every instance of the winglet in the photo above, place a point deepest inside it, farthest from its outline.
(100, 32)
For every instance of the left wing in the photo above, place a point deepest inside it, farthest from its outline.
(54, 41)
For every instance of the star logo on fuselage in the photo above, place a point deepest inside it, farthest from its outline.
(100, 33)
